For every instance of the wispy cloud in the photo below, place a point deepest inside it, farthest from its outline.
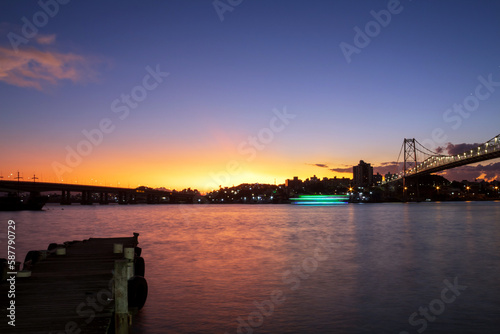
(33, 68)
(487, 172)
(342, 169)
(320, 165)
(453, 149)
(388, 167)
(46, 39)
(390, 163)
(346, 169)
(383, 168)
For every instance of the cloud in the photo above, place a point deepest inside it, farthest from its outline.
(46, 39)
(392, 167)
(440, 149)
(342, 169)
(453, 149)
(347, 169)
(390, 163)
(383, 168)
(338, 170)
(33, 68)
(487, 172)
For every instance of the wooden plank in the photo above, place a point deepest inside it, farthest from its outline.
(71, 293)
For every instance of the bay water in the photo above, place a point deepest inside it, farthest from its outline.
(356, 268)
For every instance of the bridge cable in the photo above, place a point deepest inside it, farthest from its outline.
(491, 139)
(433, 153)
(399, 156)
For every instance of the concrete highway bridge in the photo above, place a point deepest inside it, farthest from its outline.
(98, 194)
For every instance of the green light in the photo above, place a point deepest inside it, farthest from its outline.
(320, 199)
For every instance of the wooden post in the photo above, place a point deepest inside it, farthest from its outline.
(129, 253)
(121, 297)
(117, 248)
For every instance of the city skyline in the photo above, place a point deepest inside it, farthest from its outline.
(197, 95)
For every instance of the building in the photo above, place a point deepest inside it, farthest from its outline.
(315, 185)
(377, 179)
(294, 185)
(337, 182)
(389, 176)
(362, 174)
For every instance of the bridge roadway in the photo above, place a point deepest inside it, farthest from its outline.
(486, 151)
(125, 195)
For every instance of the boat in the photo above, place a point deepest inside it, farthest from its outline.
(317, 200)
(13, 202)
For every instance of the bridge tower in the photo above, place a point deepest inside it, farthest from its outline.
(410, 161)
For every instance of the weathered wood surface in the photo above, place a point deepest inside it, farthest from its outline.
(67, 294)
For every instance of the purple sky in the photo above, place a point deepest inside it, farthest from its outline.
(357, 76)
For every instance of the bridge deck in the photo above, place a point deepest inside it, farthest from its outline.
(461, 162)
(124, 195)
(487, 151)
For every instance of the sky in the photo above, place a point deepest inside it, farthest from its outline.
(203, 94)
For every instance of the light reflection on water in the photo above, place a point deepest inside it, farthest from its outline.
(289, 269)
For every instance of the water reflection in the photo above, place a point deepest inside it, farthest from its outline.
(291, 269)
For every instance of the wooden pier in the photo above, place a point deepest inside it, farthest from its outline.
(76, 288)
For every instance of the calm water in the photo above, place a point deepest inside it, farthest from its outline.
(288, 269)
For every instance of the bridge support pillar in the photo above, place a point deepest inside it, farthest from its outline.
(410, 160)
(132, 199)
(103, 198)
(66, 197)
(153, 199)
(86, 198)
(122, 198)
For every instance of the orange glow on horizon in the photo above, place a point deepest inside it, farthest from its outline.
(204, 168)
(178, 177)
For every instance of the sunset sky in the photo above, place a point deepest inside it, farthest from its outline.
(206, 93)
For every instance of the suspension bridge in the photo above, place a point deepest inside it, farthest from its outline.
(432, 162)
